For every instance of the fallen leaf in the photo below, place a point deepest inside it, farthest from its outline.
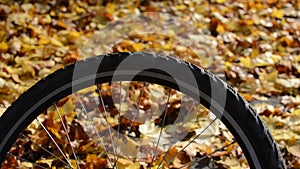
(3, 47)
(110, 8)
(288, 83)
(247, 62)
(277, 13)
(220, 1)
(2, 82)
(55, 42)
(295, 150)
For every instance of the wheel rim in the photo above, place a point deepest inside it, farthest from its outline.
(110, 151)
(62, 84)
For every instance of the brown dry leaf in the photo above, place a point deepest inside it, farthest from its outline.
(11, 162)
(77, 132)
(16, 78)
(232, 162)
(67, 109)
(257, 39)
(171, 153)
(195, 147)
(181, 159)
(295, 150)
(122, 162)
(94, 162)
(61, 24)
(26, 64)
(46, 161)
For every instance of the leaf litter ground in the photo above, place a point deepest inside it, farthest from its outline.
(257, 41)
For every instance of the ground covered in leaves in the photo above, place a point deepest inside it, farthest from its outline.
(257, 42)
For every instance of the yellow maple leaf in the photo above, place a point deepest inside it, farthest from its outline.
(3, 47)
(220, 1)
(255, 52)
(138, 46)
(220, 28)
(56, 42)
(73, 35)
(247, 62)
(110, 8)
(277, 13)
(43, 40)
(133, 166)
(180, 7)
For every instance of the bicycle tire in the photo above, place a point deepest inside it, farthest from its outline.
(238, 116)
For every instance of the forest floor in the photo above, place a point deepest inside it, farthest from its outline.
(254, 44)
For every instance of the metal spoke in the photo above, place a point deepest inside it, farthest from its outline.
(189, 112)
(67, 134)
(28, 139)
(191, 141)
(209, 155)
(22, 159)
(60, 150)
(119, 120)
(162, 125)
(94, 127)
(291, 162)
(185, 165)
(217, 150)
(136, 112)
(105, 113)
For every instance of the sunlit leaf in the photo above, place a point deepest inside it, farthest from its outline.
(3, 47)
(295, 150)
(247, 62)
(277, 13)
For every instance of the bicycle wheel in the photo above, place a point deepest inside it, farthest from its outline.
(102, 74)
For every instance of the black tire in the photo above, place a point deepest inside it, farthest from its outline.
(242, 121)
